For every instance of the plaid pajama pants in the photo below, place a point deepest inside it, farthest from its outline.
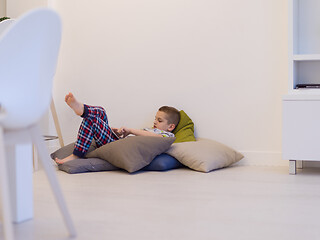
(94, 126)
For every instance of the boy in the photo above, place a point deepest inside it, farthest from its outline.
(95, 125)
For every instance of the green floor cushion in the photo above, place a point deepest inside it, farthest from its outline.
(184, 131)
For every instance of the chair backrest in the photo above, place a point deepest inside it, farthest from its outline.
(29, 50)
(4, 25)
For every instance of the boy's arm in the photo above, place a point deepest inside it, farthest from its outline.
(138, 132)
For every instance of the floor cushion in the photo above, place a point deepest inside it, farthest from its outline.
(204, 155)
(162, 162)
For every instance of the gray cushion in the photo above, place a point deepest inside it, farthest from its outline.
(161, 162)
(132, 153)
(81, 165)
(68, 149)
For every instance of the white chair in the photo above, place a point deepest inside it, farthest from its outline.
(4, 25)
(28, 56)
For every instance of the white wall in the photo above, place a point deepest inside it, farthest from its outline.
(223, 62)
(16, 8)
(3, 8)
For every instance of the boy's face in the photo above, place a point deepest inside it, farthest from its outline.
(161, 122)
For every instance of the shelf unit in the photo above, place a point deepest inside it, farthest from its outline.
(306, 57)
(304, 39)
(301, 107)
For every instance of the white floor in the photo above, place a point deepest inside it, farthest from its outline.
(240, 202)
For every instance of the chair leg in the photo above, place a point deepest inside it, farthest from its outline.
(56, 122)
(5, 194)
(49, 169)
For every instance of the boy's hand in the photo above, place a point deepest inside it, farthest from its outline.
(121, 132)
(117, 132)
(124, 131)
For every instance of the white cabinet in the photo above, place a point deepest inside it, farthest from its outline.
(301, 127)
(301, 106)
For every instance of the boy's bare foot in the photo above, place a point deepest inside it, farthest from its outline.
(76, 106)
(69, 158)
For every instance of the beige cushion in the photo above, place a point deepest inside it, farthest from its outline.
(132, 153)
(204, 155)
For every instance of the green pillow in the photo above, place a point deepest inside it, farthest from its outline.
(184, 132)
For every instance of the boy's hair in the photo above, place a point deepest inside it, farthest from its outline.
(172, 114)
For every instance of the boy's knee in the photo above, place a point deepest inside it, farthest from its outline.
(101, 109)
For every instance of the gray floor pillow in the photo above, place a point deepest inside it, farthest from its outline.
(81, 165)
(162, 162)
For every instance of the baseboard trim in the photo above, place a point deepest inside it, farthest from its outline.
(256, 158)
(251, 158)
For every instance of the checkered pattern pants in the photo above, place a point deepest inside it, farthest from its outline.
(94, 126)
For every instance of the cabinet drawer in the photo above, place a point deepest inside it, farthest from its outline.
(301, 130)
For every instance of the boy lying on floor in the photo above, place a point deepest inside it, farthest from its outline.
(95, 126)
